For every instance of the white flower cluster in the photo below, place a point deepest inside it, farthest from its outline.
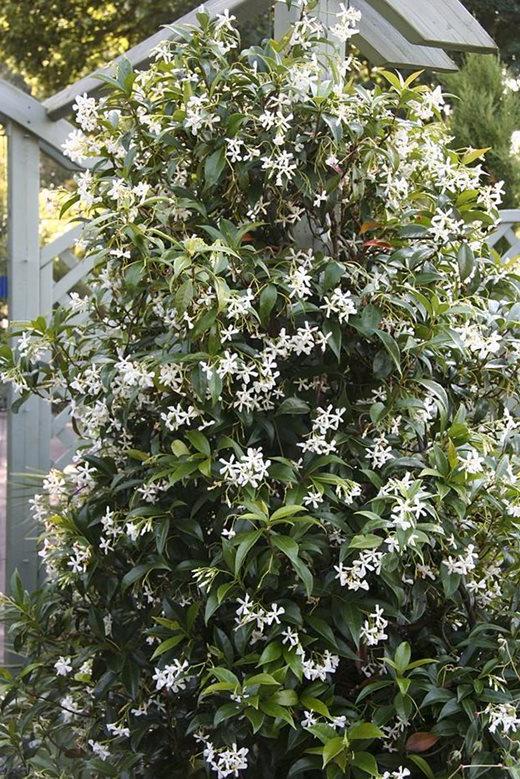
(462, 564)
(248, 612)
(339, 303)
(346, 26)
(502, 717)
(225, 762)
(373, 629)
(400, 773)
(173, 677)
(250, 469)
(326, 421)
(354, 576)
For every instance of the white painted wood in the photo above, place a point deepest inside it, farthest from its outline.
(511, 215)
(378, 40)
(444, 23)
(19, 107)
(60, 104)
(383, 44)
(29, 430)
(73, 277)
(59, 245)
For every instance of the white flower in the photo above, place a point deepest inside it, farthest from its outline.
(274, 614)
(309, 719)
(173, 676)
(99, 750)
(251, 469)
(63, 666)
(118, 730)
(463, 564)
(75, 146)
(515, 142)
(373, 630)
(281, 165)
(339, 303)
(381, 453)
(69, 709)
(321, 197)
(224, 762)
(444, 228)
(313, 499)
(345, 27)
(355, 577)
(473, 462)
(177, 416)
(290, 637)
(86, 110)
(502, 716)
(401, 773)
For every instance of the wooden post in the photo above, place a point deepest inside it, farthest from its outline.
(29, 429)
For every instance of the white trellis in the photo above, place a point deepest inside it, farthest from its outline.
(407, 34)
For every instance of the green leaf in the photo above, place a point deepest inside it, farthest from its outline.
(184, 296)
(366, 762)
(465, 261)
(274, 710)
(255, 717)
(248, 541)
(285, 698)
(292, 406)
(261, 679)
(474, 154)
(313, 704)
(288, 511)
(402, 657)
(368, 541)
(422, 765)
(214, 166)
(170, 643)
(199, 441)
(225, 712)
(290, 548)
(364, 730)
(271, 652)
(139, 571)
(286, 545)
(332, 748)
(391, 347)
(268, 298)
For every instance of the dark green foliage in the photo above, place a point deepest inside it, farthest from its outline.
(485, 115)
(501, 18)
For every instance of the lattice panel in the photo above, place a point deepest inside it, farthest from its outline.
(63, 271)
(506, 239)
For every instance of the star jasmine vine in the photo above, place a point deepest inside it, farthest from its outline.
(288, 541)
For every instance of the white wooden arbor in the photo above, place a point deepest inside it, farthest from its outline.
(407, 34)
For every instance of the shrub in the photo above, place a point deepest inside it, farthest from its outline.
(288, 543)
(486, 114)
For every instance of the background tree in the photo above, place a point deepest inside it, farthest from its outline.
(486, 114)
(52, 43)
(501, 18)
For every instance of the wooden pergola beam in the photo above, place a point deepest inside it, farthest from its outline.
(383, 44)
(398, 33)
(60, 104)
(29, 114)
(377, 39)
(443, 23)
